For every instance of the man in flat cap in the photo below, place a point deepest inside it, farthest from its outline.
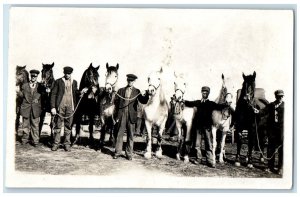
(63, 102)
(31, 108)
(126, 109)
(275, 124)
(202, 124)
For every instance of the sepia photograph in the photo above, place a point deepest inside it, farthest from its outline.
(149, 98)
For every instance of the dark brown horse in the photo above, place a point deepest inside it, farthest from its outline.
(22, 77)
(88, 107)
(247, 117)
(47, 84)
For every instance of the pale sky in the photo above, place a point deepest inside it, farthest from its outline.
(201, 44)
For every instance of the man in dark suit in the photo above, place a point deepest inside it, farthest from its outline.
(202, 125)
(275, 124)
(63, 102)
(31, 108)
(126, 109)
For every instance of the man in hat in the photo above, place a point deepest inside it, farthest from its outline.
(202, 124)
(275, 124)
(126, 109)
(31, 108)
(63, 102)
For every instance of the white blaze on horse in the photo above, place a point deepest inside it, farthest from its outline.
(155, 112)
(221, 120)
(183, 117)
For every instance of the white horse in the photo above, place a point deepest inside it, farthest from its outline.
(155, 112)
(222, 119)
(183, 117)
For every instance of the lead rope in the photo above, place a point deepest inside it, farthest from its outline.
(261, 152)
(65, 117)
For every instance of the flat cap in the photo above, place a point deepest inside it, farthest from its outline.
(34, 72)
(279, 93)
(205, 88)
(131, 77)
(68, 70)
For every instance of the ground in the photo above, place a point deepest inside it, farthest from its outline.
(83, 160)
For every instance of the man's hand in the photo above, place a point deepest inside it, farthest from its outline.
(17, 89)
(53, 111)
(84, 90)
(256, 111)
(48, 90)
(143, 92)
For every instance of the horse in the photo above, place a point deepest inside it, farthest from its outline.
(107, 105)
(22, 77)
(222, 120)
(183, 118)
(88, 107)
(47, 83)
(247, 118)
(155, 112)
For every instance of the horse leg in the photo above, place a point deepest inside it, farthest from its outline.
(222, 148)
(214, 141)
(91, 130)
(147, 154)
(188, 142)
(251, 141)
(238, 147)
(158, 152)
(179, 138)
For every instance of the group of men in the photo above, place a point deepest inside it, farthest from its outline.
(63, 102)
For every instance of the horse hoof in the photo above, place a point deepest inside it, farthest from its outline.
(178, 156)
(237, 164)
(221, 162)
(147, 155)
(186, 159)
(158, 154)
(250, 165)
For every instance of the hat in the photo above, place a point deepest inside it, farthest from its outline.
(279, 93)
(205, 88)
(131, 77)
(68, 70)
(34, 72)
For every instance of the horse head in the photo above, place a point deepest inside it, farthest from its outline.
(47, 74)
(180, 87)
(22, 75)
(111, 77)
(90, 77)
(248, 87)
(154, 82)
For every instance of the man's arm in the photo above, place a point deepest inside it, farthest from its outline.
(192, 103)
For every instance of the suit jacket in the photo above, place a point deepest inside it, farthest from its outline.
(202, 117)
(58, 91)
(31, 101)
(121, 104)
(270, 110)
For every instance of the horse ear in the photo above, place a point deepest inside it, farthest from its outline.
(254, 74)
(222, 76)
(52, 64)
(175, 74)
(91, 65)
(117, 66)
(244, 76)
(97, 68)
(161, 70)
(107, 65)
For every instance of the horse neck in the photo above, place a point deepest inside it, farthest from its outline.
(221, 97)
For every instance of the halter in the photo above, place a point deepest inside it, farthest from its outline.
(150, 85)
(111, 84)
(181, 92)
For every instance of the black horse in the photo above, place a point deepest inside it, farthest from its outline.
(107, 106)
(47, 85)
(22, 77)
(88, 110)
(247, 118)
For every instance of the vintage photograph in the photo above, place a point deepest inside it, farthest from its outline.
(150, 98)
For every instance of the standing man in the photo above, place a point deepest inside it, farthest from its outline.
(63, 102)
(202, 125)
(275, 125)
(126, 109)
(31, 108)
